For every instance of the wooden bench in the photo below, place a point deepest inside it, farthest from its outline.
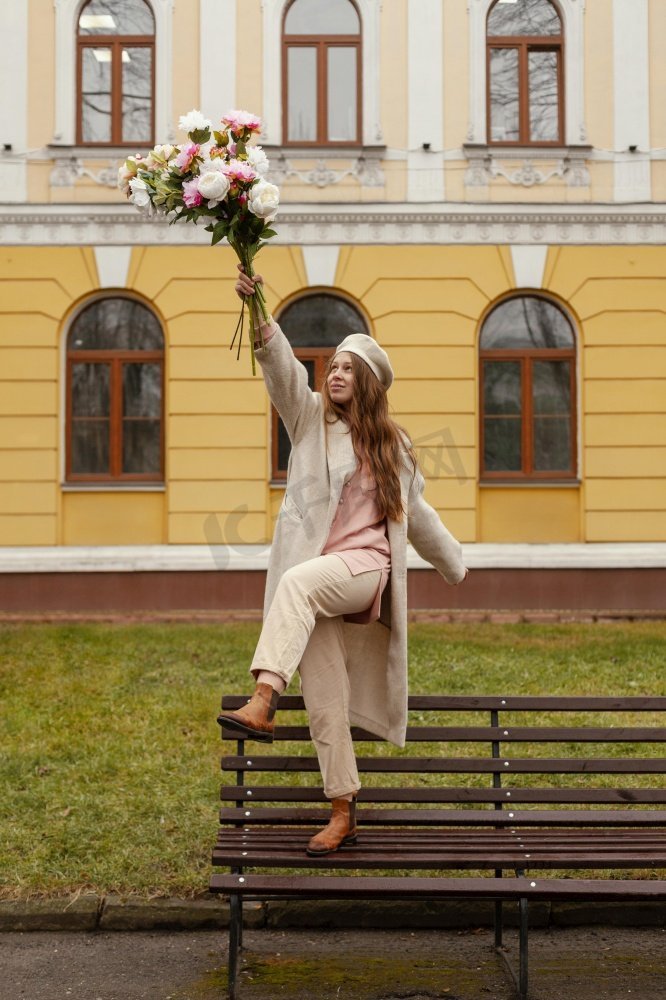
(472, 791)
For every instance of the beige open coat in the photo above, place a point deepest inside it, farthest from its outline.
(321, 456)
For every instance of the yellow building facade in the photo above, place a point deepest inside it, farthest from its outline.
(425, 218)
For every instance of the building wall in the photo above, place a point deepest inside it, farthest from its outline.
(424, 306)
(407, 173)
(424, 241)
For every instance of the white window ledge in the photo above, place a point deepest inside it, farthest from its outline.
(113, 488)
(197, 558)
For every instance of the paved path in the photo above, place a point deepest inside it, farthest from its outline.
(567, 964)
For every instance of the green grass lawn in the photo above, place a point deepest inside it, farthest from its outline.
(109, 750)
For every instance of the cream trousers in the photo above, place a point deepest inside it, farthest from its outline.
(303, 631)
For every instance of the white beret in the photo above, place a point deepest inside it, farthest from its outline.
(369, 351)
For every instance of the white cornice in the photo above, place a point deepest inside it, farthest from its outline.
(298, 224)
(202, 558)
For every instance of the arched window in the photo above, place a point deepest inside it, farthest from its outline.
(321, 73)
(528, 392)
(116, 73)
(525, 79)
(314, 325)
(115, 362)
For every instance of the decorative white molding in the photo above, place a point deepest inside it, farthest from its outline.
(529, 264)
(631, 100)
(13, 99)
(573, 14)
(195, 558)
(397, 223)
(66, 23)
(485, 164)
(321, 263)
(425, 100)
(366, 169)
(217, 59)
(370, 11)
(67, 170)
(112, 266)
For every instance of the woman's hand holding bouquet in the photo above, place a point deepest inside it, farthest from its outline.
(219, 176)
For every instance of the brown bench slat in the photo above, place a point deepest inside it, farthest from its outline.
(347, 887)
(452, 817)
(376, 859)
(457, 765)
(500, 703)
(586, 796)
(423, 839)
(489, 734)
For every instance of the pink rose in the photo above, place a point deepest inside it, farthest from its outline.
(239, 120)
(240, 170)
(191, 194)
(187, 153)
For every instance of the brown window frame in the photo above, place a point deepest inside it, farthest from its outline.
(526, 357)
(320, 356)
(116, 43)
(322, 43)
(116, 360)
(525, 44)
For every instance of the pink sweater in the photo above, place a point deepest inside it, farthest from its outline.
(358, 534)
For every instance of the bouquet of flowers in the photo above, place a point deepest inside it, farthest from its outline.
(216, 175)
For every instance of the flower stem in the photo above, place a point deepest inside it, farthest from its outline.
(256, 305)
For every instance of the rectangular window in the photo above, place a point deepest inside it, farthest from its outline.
(96, 94)
(91, 418)
(341, 90)
(302, 90)
(142, 405)
(502, 420)
(137, 70)
(543, 72)
(504, 95)
(551, 393)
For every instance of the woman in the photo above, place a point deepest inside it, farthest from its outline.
(336, 590)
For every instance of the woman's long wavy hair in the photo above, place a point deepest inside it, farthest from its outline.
(376, 438)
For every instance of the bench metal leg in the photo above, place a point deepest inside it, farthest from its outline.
(235, 935)
(499, 924)
(524, 954)
(521, 980)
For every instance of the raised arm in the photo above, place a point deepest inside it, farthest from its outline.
(285, 377)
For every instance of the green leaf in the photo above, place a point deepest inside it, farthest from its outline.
(266, 234)
(217, 237)
(200, 135)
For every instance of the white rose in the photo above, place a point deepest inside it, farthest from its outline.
(213, 185)
(257, 160)
(165, 151)
(193, 121)
(124, 177)
(204, 150)
(264, 200)
(126, 172)
(159, 156)
(140, 196)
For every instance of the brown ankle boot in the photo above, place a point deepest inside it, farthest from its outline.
(340, 830)
(256, 719)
